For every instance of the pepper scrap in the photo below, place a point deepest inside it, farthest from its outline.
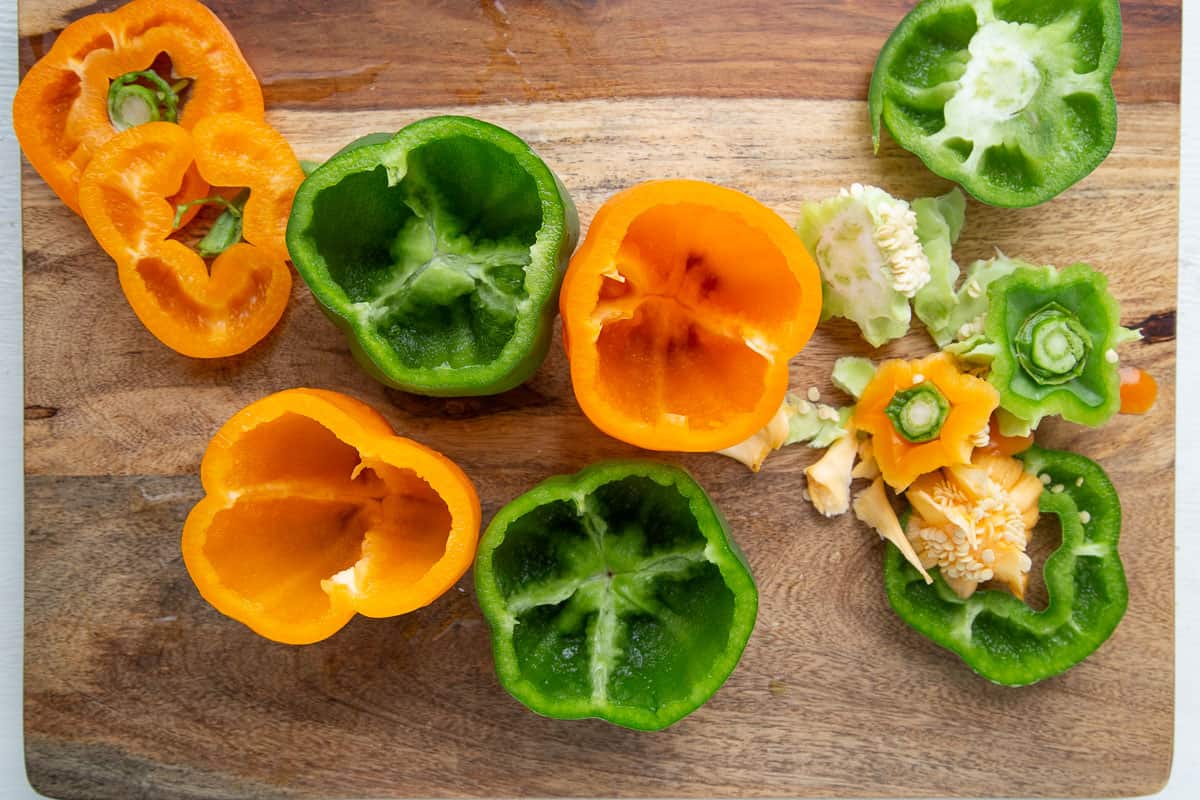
(315, 511)
(875, 252)
(1139, 390)
(1013, 101)
(999, 636)
(123, 196)
(922, 416)
(973, 522)
(438, 252)
(798, 420)
(1055, 334)
(615, 593)
(659, 310)
(61, 111)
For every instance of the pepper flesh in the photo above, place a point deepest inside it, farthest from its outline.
(1011, 100)
(60, 111)
(999, 636)
(124, 194)
(674, 344)
(1139, 390)
(315, 511)
(439, 253)
(615, 593)
(971, 402)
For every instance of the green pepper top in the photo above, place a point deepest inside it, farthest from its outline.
(1012, 99)
(615, 593)
(999, 636)
(439, 252)
(1055, 334)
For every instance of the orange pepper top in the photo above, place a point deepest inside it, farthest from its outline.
(124, 194)
(680, 312)
(60, 111)
(971, 402)
(315, 510)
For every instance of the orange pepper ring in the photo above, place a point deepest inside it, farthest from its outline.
(581, 294)
(363, 429)
(195, 310)
(60, 138)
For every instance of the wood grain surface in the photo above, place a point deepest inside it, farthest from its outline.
(136, 688)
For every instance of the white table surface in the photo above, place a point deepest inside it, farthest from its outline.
(1185, 777)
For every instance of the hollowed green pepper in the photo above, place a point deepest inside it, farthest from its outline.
(439, 252)
(999, 636)
(1055, 334)
(615, 593)
(1012, 99)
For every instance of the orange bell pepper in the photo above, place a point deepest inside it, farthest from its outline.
(680, 312)
(315, 511)
(124, 194)
(968, 405)
(61, 109)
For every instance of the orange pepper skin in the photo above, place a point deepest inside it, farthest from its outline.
(1139, 390)
(60, 110)
(680, 312)
(972, 401)
(124, 194)
(314, 511)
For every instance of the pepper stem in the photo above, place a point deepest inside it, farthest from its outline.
(226, 231)
(136, 98)
(919, 413)
(1052, 345)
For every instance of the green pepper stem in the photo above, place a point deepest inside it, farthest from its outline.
(226, 231)
(919, 413)
(136, 98)
(1052, 345)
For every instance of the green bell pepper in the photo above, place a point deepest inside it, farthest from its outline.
(439, 252)
(1055, 335)
(999, 636)
(615, 593)
(1012, 99)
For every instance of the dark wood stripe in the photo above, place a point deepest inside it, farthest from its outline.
(370, 54)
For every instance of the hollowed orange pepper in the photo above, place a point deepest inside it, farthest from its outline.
(124, 196)
(61, 109)
(680, 312)
(923, 415)
(315, 511)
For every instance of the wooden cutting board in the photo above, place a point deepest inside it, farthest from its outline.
(134, 687)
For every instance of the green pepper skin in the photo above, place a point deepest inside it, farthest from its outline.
(615, 593)
(439, 252)
(1011, 99)
(999, 636)
(1092, 397)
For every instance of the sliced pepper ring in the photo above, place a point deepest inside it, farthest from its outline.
(60, 110)
(314, 511)
(124, 198)
(681, 310)
(615, 593)
(1002, 638)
